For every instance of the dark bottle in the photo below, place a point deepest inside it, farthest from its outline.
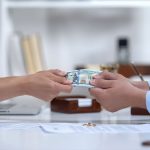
(123, 55)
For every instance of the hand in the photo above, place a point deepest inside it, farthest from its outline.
(115, 92)
(139, 84)
(46, 85)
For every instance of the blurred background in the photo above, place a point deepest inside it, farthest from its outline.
(37, 35)
(69, 34)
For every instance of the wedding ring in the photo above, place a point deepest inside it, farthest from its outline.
(89, 124)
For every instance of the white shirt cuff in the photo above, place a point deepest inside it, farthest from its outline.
(148, 101)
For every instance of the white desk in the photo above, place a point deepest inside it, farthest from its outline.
(35, 139)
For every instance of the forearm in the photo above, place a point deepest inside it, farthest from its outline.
(11, 87)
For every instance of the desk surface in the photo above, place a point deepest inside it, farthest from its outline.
(35, 139)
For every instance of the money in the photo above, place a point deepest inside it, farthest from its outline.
(82, 77)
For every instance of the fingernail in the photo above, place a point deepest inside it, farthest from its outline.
(96, 76)
(68, 81)
(62, 73)
(92, 82)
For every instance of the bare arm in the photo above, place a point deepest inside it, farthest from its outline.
(10, 87)
(44, 85)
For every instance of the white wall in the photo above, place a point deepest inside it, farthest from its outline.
(141, 36)
(88, 36)
(81, 36)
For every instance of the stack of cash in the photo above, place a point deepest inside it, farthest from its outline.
(82, 77)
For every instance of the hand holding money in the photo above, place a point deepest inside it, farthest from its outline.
(81, 78)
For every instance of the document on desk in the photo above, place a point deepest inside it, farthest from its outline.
(64, 128)
(105, 128)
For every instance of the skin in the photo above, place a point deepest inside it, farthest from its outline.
(114, 92)
(44, 85)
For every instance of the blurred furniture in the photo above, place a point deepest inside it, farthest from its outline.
(75, 104)
(127, 71)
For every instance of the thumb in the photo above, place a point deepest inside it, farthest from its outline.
(101, 83)
(97, 92)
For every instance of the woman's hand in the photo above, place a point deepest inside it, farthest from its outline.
(46, 85)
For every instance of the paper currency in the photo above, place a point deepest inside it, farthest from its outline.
(82, 77)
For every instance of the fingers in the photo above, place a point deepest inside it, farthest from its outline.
(63, 88)
(58, 72)
(57, 76)
(101, 83)
(96, 92)
(107, 75)
(59, 79)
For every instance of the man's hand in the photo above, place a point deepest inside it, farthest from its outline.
(115, 92)
(139, 84)
(46, 85)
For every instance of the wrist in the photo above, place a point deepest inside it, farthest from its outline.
(139, 99)
(22, 85)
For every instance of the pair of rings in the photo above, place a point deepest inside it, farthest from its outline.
(89, 124)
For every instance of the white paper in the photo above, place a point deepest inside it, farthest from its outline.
(78, 128)
(84, 102)
(109, 128)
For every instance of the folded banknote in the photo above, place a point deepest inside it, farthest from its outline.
(82, 77)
